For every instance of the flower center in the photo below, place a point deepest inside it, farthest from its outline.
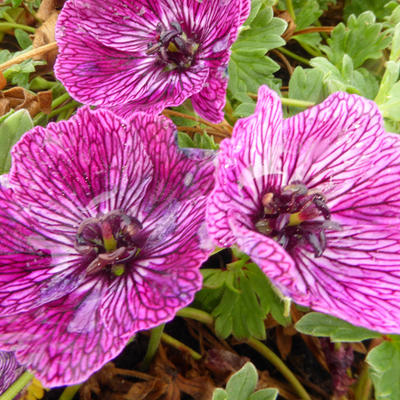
(295, 216)
(112, 240)
(173, 48)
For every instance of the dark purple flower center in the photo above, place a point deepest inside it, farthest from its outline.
(110, 241)
(173, 47)
(296, 216)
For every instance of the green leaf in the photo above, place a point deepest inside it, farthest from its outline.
(245, 109)
(264, 394)
(380, 8)
(239, 298)
(11, 129)
(249, 67)
(317, 324)
(384, 361)
(16, 3)
(200, 141)
(220, 394)
(312, 41)
(361, 40)
(307, 12)
(345, 78)
(242, 384)
(390, 108)
(306, 84)
(213, 278)
(23, 38)
(18, 74)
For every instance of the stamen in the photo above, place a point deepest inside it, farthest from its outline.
(173, 47)
(296, 216)
(112, 240)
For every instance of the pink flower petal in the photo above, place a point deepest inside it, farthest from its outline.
(210, 101)
(331, 145)
(249, 162)
(164, 278)
(356, 279)
(65, 341)
(273, 260)
(36, 261)
(375, 196)
(63, 177)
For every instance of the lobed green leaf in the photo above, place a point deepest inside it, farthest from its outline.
(317, 324)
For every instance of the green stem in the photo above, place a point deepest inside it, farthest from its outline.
(293, 55)
(206, 318)
(289, 102)
(8, 18)
(229, 112)
(59, 100)
(69, 392)
(280, 366)
(40, 83)
(198, 315)
(13, 25)
(296, 103)
(364, 385)
(67, 109)
(180, 346)
(17, 386)
(290, 9)
(155, 337)
(59, 110)
(309, 49)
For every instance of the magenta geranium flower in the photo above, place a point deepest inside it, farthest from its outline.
(315, 201)
(102, 234)
(148, 55)
(10, 370)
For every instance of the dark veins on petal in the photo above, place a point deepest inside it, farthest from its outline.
(296, 216)
(109, 242)
(173, 48)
